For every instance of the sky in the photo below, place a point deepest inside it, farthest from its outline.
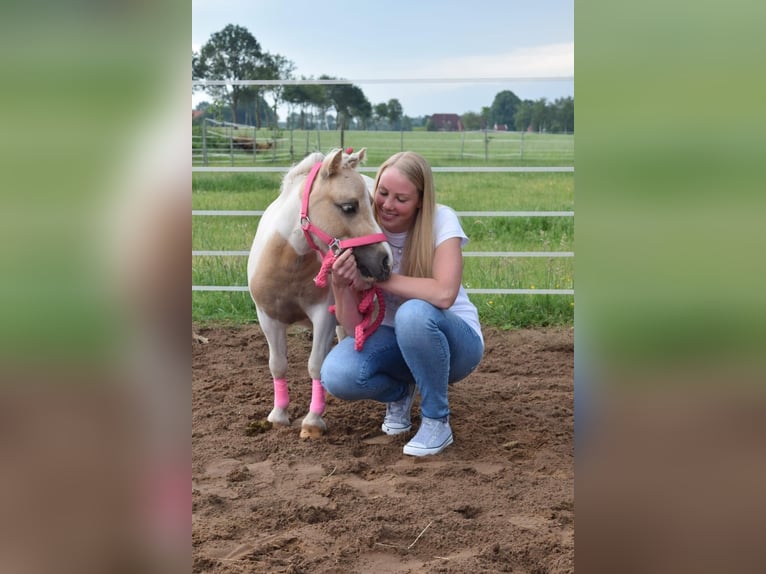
(412, 39)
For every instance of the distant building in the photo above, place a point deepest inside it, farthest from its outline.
(447, 122)
(501, 127)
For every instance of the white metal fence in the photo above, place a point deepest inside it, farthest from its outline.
(224, 147)
(511, 254)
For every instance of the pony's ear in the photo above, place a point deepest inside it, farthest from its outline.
(356, 158)
(332, 163)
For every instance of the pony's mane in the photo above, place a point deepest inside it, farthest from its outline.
(300, 169)
(304, 166)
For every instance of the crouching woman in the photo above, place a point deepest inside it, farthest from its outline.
(430, 336)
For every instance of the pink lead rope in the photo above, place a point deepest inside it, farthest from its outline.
(366, 326)
(335, 246)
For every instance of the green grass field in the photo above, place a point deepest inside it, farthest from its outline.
(461, 191)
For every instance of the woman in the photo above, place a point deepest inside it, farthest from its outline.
(430, 335)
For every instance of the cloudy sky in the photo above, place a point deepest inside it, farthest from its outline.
(412, 39)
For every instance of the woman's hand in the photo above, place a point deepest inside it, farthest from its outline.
(345, 273)
(346, 285)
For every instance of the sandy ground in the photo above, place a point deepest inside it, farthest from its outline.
(500, 499)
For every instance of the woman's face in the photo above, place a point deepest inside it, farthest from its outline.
(397, 201)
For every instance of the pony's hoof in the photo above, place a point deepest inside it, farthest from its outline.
(313, 426)
(279, 417)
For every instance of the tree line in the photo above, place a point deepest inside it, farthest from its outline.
(233, 53)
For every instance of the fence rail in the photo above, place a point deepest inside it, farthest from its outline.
(214, 253)
(243, 289)
(499, 254)
(344, 82)
(215, 213)
(446, 169)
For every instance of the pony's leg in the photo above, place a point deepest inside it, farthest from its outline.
(323, 324)
(276, 336)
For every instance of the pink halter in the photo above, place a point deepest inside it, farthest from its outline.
(335, 244)
(335, 247)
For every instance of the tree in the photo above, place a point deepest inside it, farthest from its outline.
(563, 115)
(395, 113)
(297, 95)
(280, 68)
(198, 71)
(539, 115)
(362, 110)
(486, 112)
(307, 96)
(523, 118)
(471, 121)
(380, 112)
(346, 99)
(232, 54)
(504, 108)
(349, 101)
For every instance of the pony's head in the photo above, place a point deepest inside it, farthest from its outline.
(341, 205)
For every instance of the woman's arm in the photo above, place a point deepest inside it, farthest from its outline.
(440, 290)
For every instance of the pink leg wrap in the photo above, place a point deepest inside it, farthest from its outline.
(281, 394)
(317, 397)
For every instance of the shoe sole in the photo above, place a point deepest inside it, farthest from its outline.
(391, 431)
(420, 451)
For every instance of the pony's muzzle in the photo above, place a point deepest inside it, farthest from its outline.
(373, 261)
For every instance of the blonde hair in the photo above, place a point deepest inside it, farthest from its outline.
(417, 258)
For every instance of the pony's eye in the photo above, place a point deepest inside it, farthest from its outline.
(348, 208)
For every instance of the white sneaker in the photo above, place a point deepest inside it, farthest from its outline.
(433, 436)
(397, 418)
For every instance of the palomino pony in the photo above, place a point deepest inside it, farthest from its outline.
(324, 207)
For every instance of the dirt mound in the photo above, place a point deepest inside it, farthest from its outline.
(500, 499)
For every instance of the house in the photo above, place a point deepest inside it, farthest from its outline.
(447, 122)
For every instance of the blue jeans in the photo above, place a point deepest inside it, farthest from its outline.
(427, 346)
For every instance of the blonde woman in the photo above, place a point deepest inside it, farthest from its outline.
(430, 336)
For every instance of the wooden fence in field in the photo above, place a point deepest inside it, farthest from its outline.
(225, 144)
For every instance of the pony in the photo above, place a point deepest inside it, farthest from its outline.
(324, 206)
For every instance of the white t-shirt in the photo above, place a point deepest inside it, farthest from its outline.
(446, 226)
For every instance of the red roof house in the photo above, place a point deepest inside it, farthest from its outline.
(447, 122)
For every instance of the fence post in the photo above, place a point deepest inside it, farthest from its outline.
(204, 141)
(486, 145)
(274, 147)
(462, 145)
(231, 143)
(521, 150)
